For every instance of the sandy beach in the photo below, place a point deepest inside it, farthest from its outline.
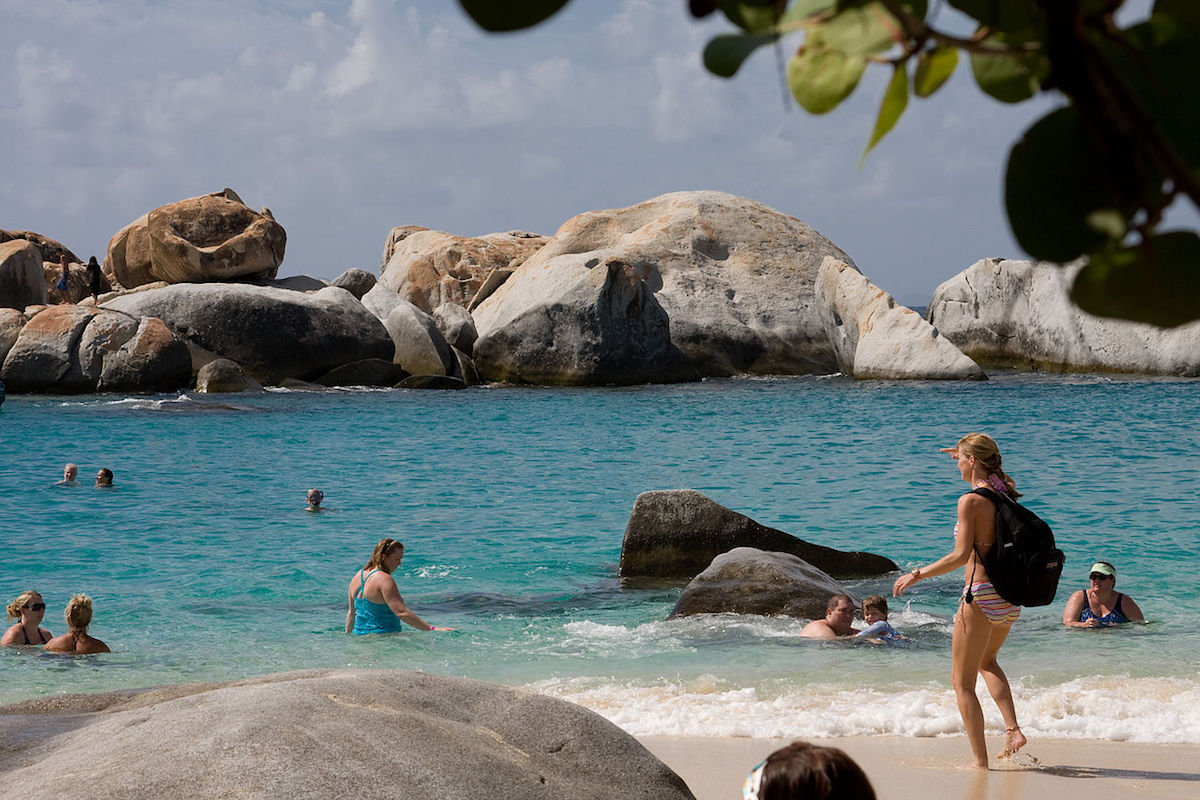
(916, 769)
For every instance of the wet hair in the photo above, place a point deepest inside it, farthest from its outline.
(811, 772)
(314, 497)
(983, 449)
(79, 612)
(836, 600)
(876, 602)
(107, 474)
(382, 551)
(14, 608)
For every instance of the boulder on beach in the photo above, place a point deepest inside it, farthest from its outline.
(222, 376)
(11, 322)
(414, 735)
(51, 250)
(428, 268)
(734, 277)
(747, 580)
(70, 349)
(272, 333)
(456, 325)
(215, 237)
(677, 533)
(419, 346)
(21, 280)
(1019, 314)
(355, 281)
(873, 337)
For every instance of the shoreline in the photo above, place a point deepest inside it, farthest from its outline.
(902, 768)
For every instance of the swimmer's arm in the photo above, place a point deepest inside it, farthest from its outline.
(1132, 612)
(1074, 609)
(350, 609)
(391, 596)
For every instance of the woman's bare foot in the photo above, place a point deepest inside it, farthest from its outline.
(1014, 740)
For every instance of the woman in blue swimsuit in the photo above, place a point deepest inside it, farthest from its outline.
(375, 603)
(1101, 605)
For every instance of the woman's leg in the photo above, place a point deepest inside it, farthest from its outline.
(972, 632)
(1001, 692)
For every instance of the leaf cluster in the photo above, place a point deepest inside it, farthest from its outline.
(1092, 179)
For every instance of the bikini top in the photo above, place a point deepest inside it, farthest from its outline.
(1114, 617)
(26, 635)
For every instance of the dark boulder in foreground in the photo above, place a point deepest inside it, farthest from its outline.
(750, 581)
(322, 734)
(676, 534)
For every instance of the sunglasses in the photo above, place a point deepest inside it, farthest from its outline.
(36, 606)
(1098, 576)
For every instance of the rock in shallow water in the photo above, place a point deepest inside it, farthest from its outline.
(323, 734)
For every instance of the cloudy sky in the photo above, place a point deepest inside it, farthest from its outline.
(349, 117)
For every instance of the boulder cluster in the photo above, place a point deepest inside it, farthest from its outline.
(678, 288)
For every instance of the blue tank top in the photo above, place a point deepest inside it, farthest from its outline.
(372, 617)
(1114, 617)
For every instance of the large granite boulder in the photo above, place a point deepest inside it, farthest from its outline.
(735, 278)
(428, 268)
(1019, 314)
(51, 250)
(355, 281)
(215, 237)
(70, 349)
(11, 322)
(420, 347)
(677, 533)
(456, 325)
(746, 580)
(875, 338)
(21, 280)
(368, 372)
(322, 734)
(273, 333)
(222, 376)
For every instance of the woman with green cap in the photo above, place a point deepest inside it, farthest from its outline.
(1101, 605)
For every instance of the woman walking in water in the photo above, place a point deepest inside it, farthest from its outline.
(984, 618)
(375, 603)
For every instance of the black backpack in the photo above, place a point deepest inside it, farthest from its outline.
(1023, 565)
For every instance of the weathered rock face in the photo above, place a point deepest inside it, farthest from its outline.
(456, 325)
(676, 534)
(272, 333)
(368, 372)
(419, 736)
(355, 281)
(875, 338)
(21, 282)
(50, 249)
(429, 268)
(577, 320)
(222, 376)
(735, 277)
(11, 322)
(750, 581)
(419, 346)
(1019, 314)
(215, 237)
(68, 349)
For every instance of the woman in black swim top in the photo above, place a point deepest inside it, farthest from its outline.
(29, 607)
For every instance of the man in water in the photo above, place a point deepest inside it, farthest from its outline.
(104, 478)
(70, 473)
(839, 613)
(314, 498)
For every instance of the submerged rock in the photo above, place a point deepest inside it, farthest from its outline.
(746, 580)
(1019, 314)
(396, 734)
(222, 376)
(677, 533)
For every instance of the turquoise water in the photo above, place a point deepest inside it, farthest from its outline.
(512, 503)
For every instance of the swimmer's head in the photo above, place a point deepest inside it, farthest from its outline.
(104, 477)
(79, 612)
(70, 472)
(314, 497)
(874, 609)
(25, 598)
(387, 555)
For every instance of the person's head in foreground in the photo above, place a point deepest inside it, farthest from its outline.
(70, 473)
(874, 609)
(387, 555)
(79, 613)
(104, 477)
(314, 498)
(978, 458)
(803, 771)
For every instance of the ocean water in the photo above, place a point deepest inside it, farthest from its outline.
(512, 502)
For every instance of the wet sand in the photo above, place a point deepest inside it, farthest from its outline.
(918, 769)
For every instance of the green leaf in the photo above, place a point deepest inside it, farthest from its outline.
(501, 16)
(725, 54)
(750, 16)
(934, 68)
(895, 100)
(1018, 21)
(1055, 182)
(820, 78)
(1157, 282)
(862, 31)
(1010, 78)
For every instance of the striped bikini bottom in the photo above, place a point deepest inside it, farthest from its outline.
(997, 610)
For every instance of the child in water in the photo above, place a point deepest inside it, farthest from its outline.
(875, 613)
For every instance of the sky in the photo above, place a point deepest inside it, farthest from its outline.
(349, 118)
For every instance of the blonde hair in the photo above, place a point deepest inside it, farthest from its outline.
(14, 608)
(381, 552)
(79, 612)
(986, 453)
